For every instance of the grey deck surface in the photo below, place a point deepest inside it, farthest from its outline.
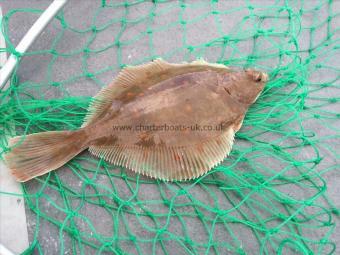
(79, 13)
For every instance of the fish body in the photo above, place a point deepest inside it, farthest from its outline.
(163, 120)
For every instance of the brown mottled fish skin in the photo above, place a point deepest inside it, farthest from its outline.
(156, 94)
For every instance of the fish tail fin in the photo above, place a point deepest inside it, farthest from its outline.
(40, 153)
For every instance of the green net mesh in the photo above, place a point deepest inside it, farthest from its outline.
(268, 197)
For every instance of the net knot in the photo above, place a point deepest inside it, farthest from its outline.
(275, 147)
(190, 48)
(62, 22)
(17, 54)
(317, 160)
(189, 241)
(74, 232)
(182, 192)
(306, 141)
(297, 163)
(53, 52)
(123, 22)
(89, 75)
(221, 212)
(5, 150)
(258, 188)
(226, 39)
(312, 56)
(161, 231)
(240, 251)
(333, 100)
(251, 58)
(272, 231)
(308, 202)
(149, 214)
(199, 214)
(55, 84)
(72, 214)
(88, 182)
(323, 241)
(335, 211)
(327, 224)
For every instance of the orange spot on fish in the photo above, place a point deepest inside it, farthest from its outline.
(130, 94)
(143, 135)
(186, 130)
(188, 108)
(145, 154)
(177, 157)
(135, 114)
(200, 148)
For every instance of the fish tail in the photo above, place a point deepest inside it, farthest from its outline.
(40, 153)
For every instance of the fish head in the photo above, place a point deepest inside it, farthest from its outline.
(246, 86)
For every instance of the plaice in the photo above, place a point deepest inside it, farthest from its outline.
(163, 120)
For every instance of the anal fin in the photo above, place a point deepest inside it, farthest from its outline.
(170, 164)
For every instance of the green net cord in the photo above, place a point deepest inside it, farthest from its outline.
(270, 196)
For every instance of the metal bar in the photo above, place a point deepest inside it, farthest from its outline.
(5, 251)
(29, 38)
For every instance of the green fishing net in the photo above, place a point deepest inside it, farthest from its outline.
(268, 197)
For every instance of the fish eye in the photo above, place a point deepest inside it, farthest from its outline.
(261, 77)
(257, 77)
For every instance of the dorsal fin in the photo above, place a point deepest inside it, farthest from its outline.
(133, 80)
(170, 163)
